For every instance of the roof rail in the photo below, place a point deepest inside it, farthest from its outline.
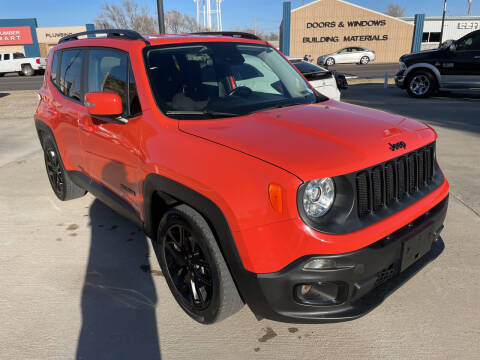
(235, 34)
(117, 33)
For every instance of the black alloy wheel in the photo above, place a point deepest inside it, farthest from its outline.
(188, 266)
(54, 170)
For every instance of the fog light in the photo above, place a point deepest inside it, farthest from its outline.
(320, 264)
(322, 293)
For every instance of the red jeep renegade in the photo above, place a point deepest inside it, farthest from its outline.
(254, 187)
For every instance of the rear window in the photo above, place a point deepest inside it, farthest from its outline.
(18, 56)
(70, 79)
(307, 68)
(54, 68)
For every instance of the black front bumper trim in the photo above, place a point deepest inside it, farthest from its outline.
(372, 273)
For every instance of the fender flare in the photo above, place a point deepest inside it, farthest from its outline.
(428, 66)
(43, 127)
(172, 192)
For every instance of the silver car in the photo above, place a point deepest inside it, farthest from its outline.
(348, 55)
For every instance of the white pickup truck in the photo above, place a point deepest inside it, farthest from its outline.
(17, 63)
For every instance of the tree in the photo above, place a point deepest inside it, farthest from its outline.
(262, 35)
(178, 23)
(395, 10)
(128, 16)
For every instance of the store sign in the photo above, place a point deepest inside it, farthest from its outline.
(20, 35)
(468, 25)
(344, 27)
(56, 35)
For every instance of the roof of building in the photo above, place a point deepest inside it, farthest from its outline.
(439, 18)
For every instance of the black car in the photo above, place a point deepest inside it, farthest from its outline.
(452, 67)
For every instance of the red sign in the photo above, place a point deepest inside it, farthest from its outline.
(20, 35)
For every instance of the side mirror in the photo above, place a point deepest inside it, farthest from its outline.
(107, 104)
(453, 47)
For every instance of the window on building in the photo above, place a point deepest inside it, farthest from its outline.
(425, 36)
(109, 70)
(55, 67)
(434, 37)
(70, 79)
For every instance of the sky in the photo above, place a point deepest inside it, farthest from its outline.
(236, 13)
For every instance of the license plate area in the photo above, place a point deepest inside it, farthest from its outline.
(416, 246)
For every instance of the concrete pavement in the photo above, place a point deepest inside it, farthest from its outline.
(79, 281)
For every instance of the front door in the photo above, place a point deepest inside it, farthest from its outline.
(110, 147)
(462, 69)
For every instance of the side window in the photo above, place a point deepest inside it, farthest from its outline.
(107, 71)
(6, 57)
(70, 79)
(54, 68)
(18, 56)
(470, 42)
(133, 100)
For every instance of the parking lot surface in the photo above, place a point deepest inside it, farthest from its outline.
(79, 281)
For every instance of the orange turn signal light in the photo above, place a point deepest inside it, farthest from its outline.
(276, 198)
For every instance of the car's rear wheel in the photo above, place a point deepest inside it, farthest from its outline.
(194, 268)
(330, 61)
(63, 187)
(364, 60)
(420, 84)
(27, 70)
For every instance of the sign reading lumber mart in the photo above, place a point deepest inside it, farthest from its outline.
(354, 36)
(20, 35)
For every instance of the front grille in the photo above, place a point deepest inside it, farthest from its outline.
(384, 275)
(381, 185)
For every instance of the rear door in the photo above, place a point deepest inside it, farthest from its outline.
(110, 147)
(66, 104)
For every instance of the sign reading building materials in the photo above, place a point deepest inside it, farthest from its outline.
(353, 37)
(20, 35)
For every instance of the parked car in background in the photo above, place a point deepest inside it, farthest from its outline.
(452, 67)
(16, 62)
(348, 55)
(321, 79)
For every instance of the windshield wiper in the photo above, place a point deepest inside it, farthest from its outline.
(276, 106)
(212, 114)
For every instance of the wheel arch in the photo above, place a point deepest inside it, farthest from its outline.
(425, 66)
(161, 193)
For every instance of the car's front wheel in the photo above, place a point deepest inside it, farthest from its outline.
(330, 61)
(194, 268)
(420, 84)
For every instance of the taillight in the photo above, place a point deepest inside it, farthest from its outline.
(37, 61)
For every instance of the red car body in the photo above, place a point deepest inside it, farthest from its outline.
(231, 162)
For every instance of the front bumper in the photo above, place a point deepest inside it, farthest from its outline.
(367, 275)
(400, 79)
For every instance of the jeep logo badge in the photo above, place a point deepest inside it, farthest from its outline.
(398, 145)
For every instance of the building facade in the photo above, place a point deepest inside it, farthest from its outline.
(24, 36)
(325, 26)
(453, 29)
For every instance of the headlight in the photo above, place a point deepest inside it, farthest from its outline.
(318, 197)
(402, 66)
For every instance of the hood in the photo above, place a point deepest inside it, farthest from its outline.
(421, 54)
(318, 140)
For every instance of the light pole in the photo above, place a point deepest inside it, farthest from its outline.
(443, 20)
(161, 17)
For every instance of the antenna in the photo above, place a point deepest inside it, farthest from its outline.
(204, 7)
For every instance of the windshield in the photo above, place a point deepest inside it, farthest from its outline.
(223, 79)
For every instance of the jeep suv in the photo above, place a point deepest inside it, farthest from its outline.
(254, 188)
(454, 66)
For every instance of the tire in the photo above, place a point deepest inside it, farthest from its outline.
(27, 70)
(63, 187)
(364, 60)
(420, 84)
(194, 268)
(330, 61)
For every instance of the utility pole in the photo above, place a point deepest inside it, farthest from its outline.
(469, 7)
(255, 26)
(443, 20)
(161, 17)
